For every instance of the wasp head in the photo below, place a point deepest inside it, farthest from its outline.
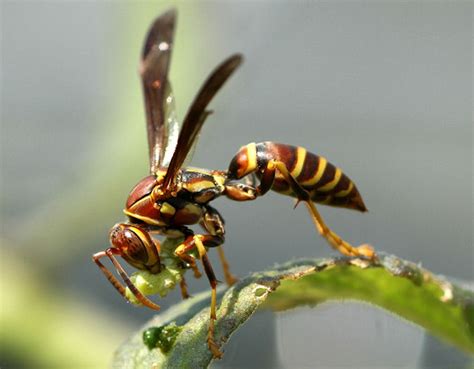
(136, 247)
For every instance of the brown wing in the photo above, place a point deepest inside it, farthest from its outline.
(154, 67)
(197, 114)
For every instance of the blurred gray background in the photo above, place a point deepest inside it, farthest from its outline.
(383, 90)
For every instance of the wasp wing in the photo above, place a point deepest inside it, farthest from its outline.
(172, 128)
(159, 101)
(197, 114)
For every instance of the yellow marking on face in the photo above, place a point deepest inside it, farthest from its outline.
(167, 209)
(251, 157)
(300, 158)
(143, 218)
(329, 186)
(319, 173)
(199, 246)
(344, 193)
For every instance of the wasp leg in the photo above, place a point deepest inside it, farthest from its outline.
(184, 289)
(111, 278)
(200, 242)
(333, 239)
(114, 281)
(240, 191)
(211, 343)
(189, 260)
(230, 279)
(214, 224)
(181, 252)
(182, 249)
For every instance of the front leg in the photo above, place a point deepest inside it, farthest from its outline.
(110, 253)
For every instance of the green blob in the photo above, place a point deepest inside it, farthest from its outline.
(162, 337)
(163, 282)
(150, 337)
(259, 292)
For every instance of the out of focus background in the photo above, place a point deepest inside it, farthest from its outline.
(383, 90)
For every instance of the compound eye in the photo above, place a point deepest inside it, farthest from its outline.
(136, 249)
(117, 236)
(136, 246)
(128, 242)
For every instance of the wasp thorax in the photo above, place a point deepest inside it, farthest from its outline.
(142, 189)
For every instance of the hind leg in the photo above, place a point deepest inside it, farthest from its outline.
(333, 239)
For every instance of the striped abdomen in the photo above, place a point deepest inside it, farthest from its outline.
(326, 183)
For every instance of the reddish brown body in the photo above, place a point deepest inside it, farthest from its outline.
(173, 197)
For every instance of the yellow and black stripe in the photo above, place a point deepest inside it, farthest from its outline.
(326, 183)
(244, 162)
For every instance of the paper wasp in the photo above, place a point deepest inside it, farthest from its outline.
(172, 197)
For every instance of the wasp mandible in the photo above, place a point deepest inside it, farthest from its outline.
(172, 197)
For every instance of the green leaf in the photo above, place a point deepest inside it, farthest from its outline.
(402, 287)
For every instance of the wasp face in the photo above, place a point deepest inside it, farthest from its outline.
(136, 247)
